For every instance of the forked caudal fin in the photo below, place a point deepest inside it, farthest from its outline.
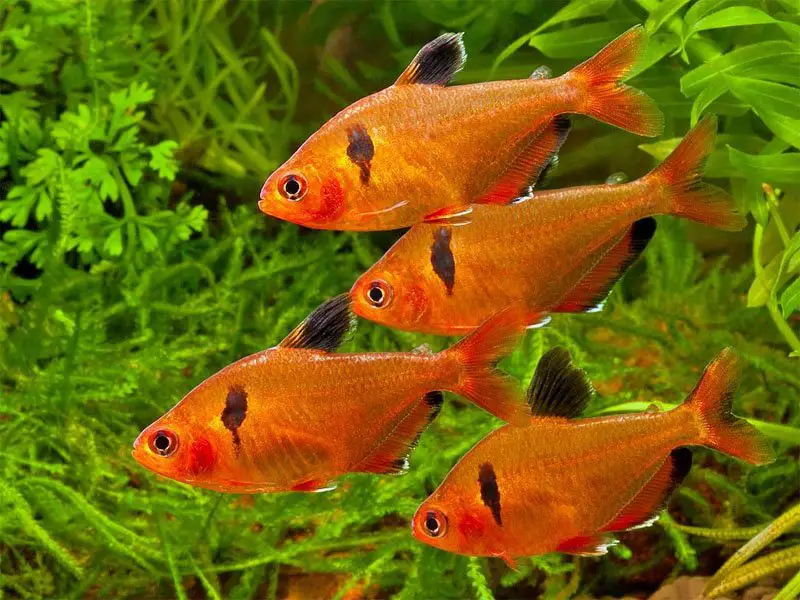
(720, 429)
(687, 195)
(606, 98)
(479, 379)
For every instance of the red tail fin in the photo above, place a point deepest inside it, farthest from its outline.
(477, 355)
(606, 98)
(689, 196)
(710, 402)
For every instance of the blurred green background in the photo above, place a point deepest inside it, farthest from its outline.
(134, 138)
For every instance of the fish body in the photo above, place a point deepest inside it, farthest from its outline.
(559, 251)
(297, 416)
(418, 146)
(564, 484)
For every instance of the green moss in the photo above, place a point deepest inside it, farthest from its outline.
(134, 263)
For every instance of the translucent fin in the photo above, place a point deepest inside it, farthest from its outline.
(591, 292)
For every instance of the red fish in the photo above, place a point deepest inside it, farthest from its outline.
(559, 251)
(418, 146)
(564, 484)
(299, 415)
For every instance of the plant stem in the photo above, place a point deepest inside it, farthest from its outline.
(772, 304)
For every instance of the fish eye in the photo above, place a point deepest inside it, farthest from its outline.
(164, 443)
(293, 187)
(379, 294)
(435, 524)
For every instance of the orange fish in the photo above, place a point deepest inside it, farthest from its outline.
(559, 251)
(565, 485)
(418, 146)
(299, 415)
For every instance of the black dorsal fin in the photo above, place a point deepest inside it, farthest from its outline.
(436, 62)
(558, 388)
(324, 329)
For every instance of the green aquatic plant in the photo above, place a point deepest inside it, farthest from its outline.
(134, 138)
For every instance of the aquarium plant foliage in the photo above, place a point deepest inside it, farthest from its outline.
(134, 138)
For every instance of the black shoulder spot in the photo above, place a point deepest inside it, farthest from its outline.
(235, 411)
(324, 329)
(361, 150)
(490, 492)
(442, 259)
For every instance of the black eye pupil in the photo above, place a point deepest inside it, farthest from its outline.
(431, 524)
(162, 442)
(376, 295)
(292, 186)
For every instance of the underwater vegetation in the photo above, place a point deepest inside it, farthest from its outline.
(134, 263)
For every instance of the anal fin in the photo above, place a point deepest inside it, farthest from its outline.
(643, 510)
(391, 454)
(530, 163)
(313, 485)
(587, 545)
(590, 294)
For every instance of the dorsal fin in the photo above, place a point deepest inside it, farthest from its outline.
(450, 215)
(558, 388)
(436, 62)
(325, 328)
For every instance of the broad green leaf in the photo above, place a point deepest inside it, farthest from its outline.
(577, 42)
(704, 99)
(761, 288)
(658, 46)
(662, 13)
(734, 16)
(793, 264)
(577, 10)
(737, 61)
(785, 128)
(660, 150)
(790, 299)
(769, 168)
(776, 104)
(700, 9)
(511, 49)
(791, 256)
(766, 95)
(792, 30)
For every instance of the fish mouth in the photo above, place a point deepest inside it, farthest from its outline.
(137, 447)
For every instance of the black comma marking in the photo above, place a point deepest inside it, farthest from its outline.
(442, 259)
(361, 150)
(490, 493)
(235, 411)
